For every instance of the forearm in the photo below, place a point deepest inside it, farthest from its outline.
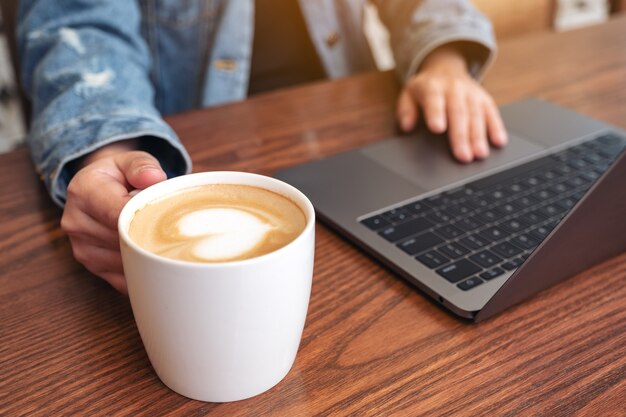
(85, 68)
(419, 27)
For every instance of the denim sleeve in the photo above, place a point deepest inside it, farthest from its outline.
(85, 68)
(417, 27)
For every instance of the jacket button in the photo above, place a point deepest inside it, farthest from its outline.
(332, 39)
(226, 65)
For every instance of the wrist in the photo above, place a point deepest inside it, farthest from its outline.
(109, 150)
(446, 59)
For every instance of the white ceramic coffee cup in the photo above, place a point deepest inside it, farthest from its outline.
(220, 331)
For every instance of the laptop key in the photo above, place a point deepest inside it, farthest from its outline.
(375, 222)
(578, 164)
(609, 139)
(417, 208)
(525, 241)
(432, 259)
(515, 187)
(506, 249)
(532, 181)
(609, 154)
(549, 175)
(458, 270)
(470, 283)
(512, 225)
(468, 224)
(437, 201)
(532, 217)
(486, 258)
(439, 217)
(453, 250)
(568, 202)
(551, 210)
(492, 273)
(591, 176)
(515, 172)
(458, 193)
(594, 158)
(488, 216)
(498, 195)
(560, 188)
(564, 170)
(459, 209)
(506, 209)
(449, 231)
(541, 232)
(512, 264)
(544, 194)
(420, 243)
(404, 230)
(616, 148)
(576, 182)
(478, 202)
(398, 215)
(493, 234)
(474, 241)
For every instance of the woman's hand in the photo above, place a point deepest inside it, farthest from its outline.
(445, 95)
(95, 197)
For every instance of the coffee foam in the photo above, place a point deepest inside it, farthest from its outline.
(217, 223)
(226, 232)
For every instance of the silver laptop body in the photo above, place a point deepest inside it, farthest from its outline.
(349, 188)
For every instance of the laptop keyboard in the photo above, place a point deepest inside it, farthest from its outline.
(477, 232)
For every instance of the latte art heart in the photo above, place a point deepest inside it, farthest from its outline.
(217, 223)
(226, 232)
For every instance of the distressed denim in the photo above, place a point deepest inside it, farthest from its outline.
(100, 71)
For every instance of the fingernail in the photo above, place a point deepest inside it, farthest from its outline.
(482, 150)
(405, 122)
(500, 139)
(148, 168)
(464, 154)
(437, 125)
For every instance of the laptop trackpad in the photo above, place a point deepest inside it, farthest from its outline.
(427, 161)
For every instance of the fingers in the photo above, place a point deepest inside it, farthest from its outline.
(96, 259)
(117, 281)
(94, 246)
(103, 262)
(98, 193)
(407, 113)
(141, 169)
(95, 197)
(102, 189)
(459, 123)
(460, 105)
(477, 130)
(78, 223)
(429, 96)
(495, 126)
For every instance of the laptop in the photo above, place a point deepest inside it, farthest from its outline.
(481, 237)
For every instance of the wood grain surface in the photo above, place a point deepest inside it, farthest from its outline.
(372, 345)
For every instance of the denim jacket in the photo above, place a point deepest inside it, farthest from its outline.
(101, 71)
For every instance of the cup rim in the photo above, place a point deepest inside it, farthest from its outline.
(134, 204)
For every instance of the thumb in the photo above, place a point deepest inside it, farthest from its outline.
(141, 169)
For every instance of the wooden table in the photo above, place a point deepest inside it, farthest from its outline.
(372, 345)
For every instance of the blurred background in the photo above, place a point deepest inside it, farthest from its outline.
(510, 18)
(12, 127)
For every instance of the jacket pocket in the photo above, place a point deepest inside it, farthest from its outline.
(183, 13)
